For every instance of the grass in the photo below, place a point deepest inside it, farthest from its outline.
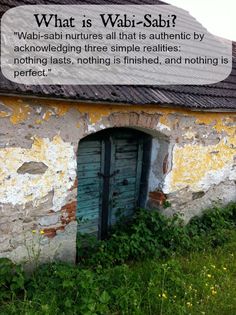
(197, 281)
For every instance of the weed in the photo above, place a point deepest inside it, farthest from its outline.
(151, 234)
(12, 279)
(154, 265)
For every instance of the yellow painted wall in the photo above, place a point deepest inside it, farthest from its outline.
(196, 163)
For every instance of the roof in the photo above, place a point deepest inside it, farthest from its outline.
(217, 97)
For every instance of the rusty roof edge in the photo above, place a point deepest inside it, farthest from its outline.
(165, 105)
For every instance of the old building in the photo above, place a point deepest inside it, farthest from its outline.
(93, 151)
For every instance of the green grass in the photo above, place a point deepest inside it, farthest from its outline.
(198, 280)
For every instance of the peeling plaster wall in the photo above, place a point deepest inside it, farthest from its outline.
(193, 165)
(18, 189)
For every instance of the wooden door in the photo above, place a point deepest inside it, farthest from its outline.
(89, 198)
(111, 175)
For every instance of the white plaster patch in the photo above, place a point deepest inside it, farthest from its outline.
(153, 181)
(216, 177)
(49, 220)
(166, 185)
(19, 189)
(162, 127)
(102, 127)
(167, 189)
(38, 109)
(91, 128)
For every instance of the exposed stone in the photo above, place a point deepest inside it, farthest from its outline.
(32, 168)
(40, 207)
(218, 195)
(49, 232)
(69, 212)
(197, 195)
(49, 220)
(134, 119)
(6, 228)
(27, 219)
(156, 198)
(52, 232)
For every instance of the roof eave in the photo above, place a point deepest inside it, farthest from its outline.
(99, 102)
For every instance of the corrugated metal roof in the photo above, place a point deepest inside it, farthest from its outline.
(219, 96)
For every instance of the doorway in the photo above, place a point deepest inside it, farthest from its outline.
(113, 170)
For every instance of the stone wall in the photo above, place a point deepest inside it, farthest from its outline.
(193, 166)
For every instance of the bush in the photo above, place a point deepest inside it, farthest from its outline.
(156, 286)
(213, 227)
(12, 279)
(71, 290)
(151, 234)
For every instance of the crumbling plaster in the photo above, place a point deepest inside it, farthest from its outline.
(193, 163)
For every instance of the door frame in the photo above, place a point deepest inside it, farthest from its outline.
(142, 190)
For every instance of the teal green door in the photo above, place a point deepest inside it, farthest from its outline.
(111, 177)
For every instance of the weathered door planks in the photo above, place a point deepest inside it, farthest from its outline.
(110, 176)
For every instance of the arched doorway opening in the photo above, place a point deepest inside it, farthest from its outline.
(113, 167)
